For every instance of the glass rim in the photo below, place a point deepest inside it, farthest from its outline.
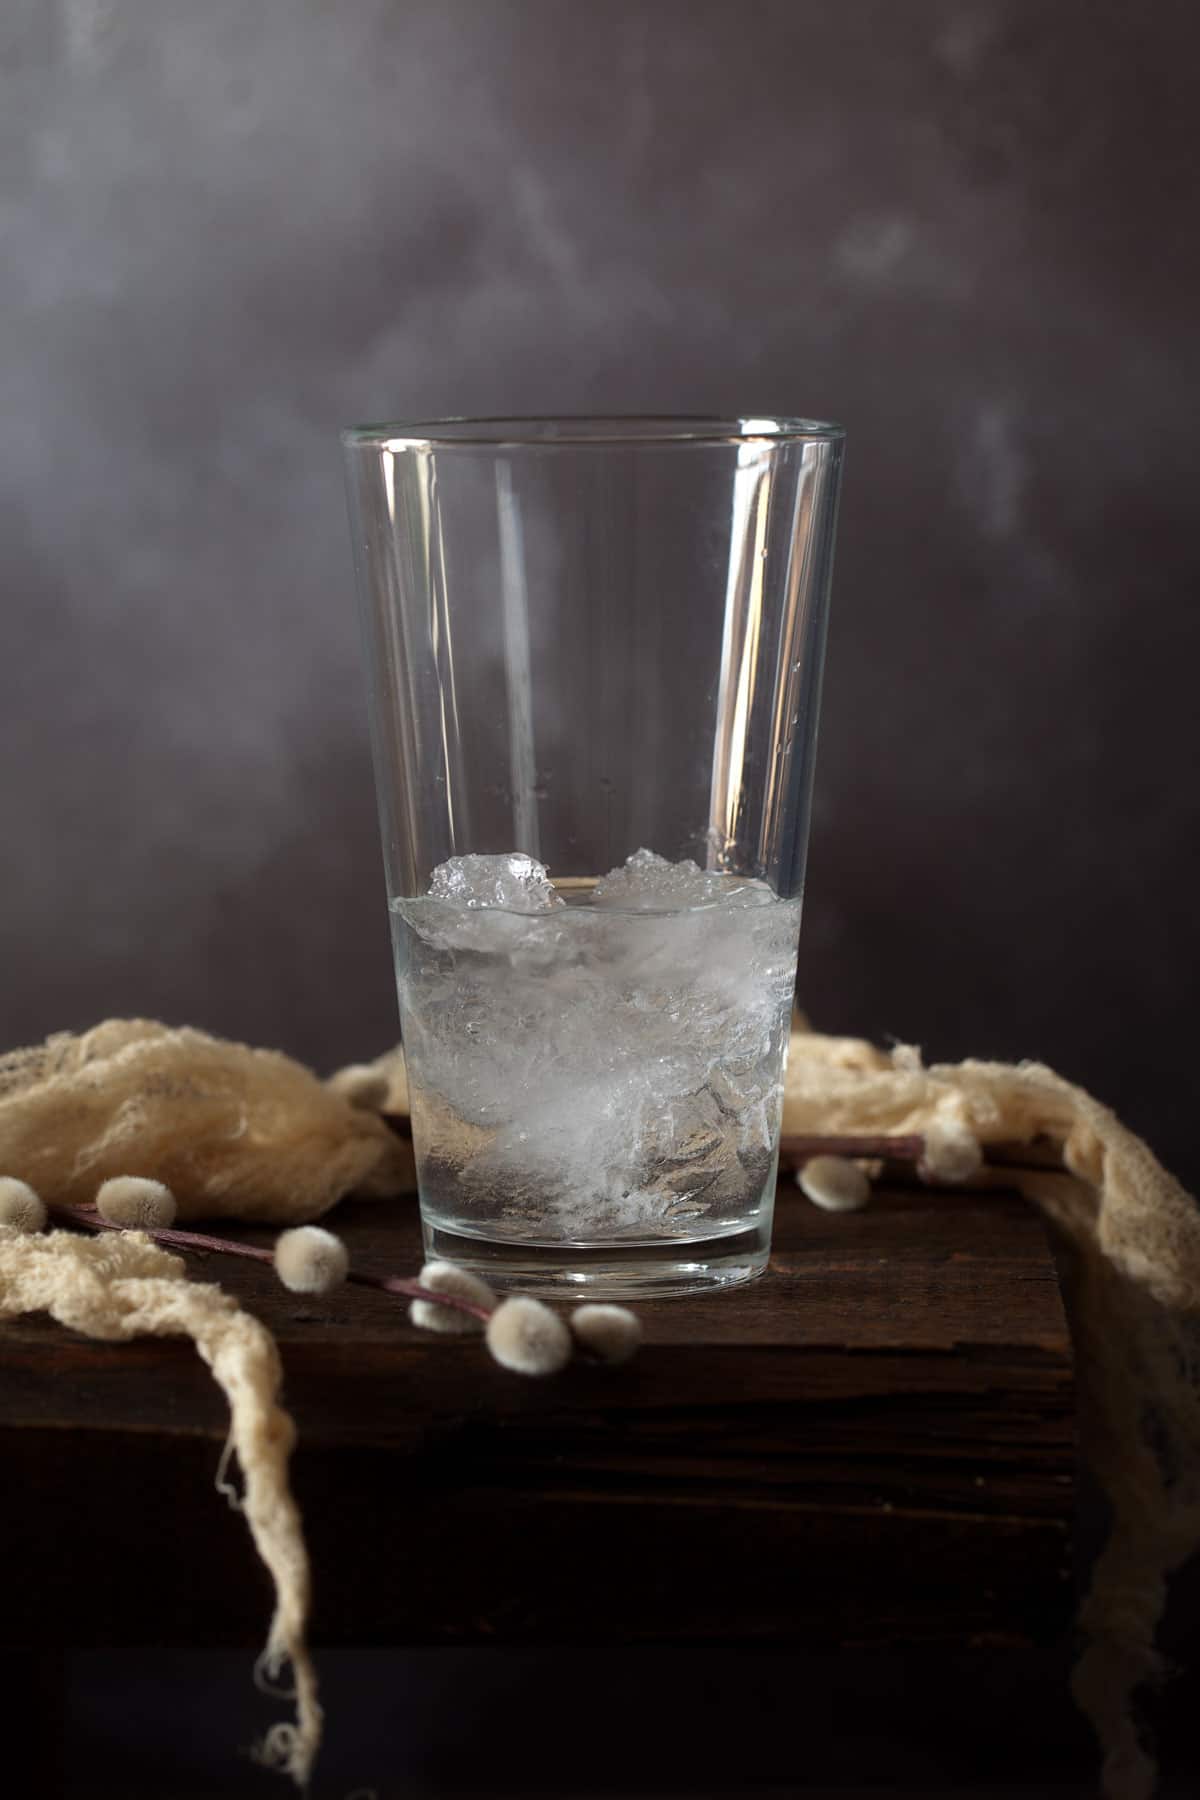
(586, 431)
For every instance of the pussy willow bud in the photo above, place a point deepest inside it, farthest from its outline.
(526, 1337)
(20, 1206)
(136, 1203)
(834, 1183)
(310, 1260)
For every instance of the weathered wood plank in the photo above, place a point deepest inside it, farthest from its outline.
(873, 1444)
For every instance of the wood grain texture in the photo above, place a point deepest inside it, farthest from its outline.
(874, 1444)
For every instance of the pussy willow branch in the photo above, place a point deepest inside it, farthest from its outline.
(199, 1242)
(892, 1149)
(796, 1148)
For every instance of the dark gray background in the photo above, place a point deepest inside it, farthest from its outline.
(969, 231)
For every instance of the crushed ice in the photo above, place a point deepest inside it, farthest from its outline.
(649, 883)
(514, 881)
(596, 1069)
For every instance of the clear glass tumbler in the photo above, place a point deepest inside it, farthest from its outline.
(594, 650)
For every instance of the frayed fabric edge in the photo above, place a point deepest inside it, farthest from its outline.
(122, 1287)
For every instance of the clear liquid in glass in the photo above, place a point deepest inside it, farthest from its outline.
(596, 1071)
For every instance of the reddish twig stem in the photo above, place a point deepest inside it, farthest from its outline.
(892, 1149)
(412, 1290)
(200, 1242)
(1006, 1159)
(168, 1237)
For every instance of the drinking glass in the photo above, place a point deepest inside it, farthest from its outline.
(594, 652)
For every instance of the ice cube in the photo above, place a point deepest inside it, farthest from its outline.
(649, 883)
(514, 881)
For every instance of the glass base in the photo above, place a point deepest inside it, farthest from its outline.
(606, 1271)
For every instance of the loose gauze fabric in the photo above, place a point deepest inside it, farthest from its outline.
(1135, 1317)
(235, 1133)
(248, 1134)
(124, 1286)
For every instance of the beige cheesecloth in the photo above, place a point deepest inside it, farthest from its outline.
(235, 1133)
(248, 1134)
